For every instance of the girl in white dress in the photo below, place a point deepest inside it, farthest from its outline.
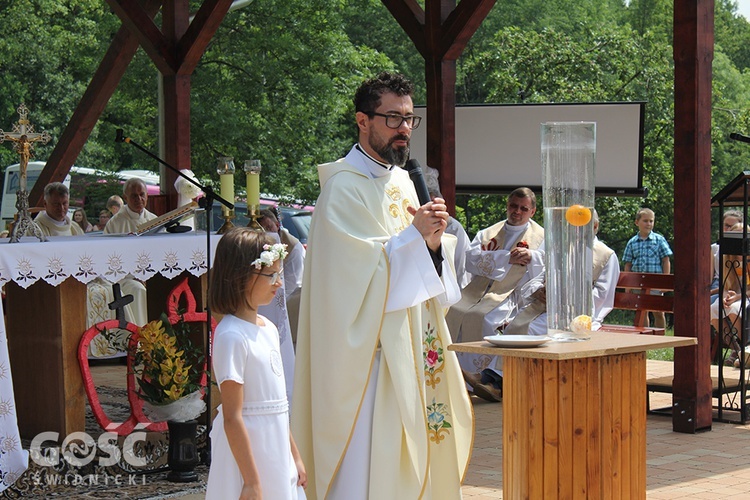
(253, 454)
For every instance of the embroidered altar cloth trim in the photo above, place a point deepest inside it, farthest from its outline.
(90, 256)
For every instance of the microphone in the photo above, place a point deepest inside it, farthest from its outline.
(120, 137)
(739, 137)
(415, 173)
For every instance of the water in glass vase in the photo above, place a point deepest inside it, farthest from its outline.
(568, 158)
(569, 264)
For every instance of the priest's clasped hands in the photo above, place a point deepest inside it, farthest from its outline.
(431, 219)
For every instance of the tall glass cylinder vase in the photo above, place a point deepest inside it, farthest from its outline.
(568, 156)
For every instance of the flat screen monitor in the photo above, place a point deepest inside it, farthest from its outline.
(498, 147)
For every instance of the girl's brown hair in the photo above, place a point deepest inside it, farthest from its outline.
(232, 268)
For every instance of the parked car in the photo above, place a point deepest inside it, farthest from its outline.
(295, 220)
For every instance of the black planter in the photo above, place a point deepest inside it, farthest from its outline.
(183, 452)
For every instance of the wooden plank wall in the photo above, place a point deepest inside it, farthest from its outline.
(575, 428)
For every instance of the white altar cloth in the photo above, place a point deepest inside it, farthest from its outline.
(14, 460)
(111, 257)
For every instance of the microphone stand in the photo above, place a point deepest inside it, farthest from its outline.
(207, 203)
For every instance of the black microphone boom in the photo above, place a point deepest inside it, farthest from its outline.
(739, 137)
(415, 173)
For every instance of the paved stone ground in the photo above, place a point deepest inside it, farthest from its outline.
(706, 465)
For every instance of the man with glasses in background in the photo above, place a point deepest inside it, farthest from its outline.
(502, 258)
(380, 409)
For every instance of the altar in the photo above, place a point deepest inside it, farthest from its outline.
(45, 286)
(574, 415)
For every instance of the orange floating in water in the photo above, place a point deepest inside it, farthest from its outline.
(578, 215)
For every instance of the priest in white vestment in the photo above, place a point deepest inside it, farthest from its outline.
(132, 215)
(380, 409)
(502, 259)
(127, 220)
(54, 220)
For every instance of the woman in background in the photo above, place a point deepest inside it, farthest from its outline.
(79, 216)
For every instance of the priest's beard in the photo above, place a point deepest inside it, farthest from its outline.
(391, 155)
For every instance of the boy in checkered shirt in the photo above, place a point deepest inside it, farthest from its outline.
(648, 252)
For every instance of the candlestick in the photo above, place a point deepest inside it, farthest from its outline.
(252, 169)
(226, 169)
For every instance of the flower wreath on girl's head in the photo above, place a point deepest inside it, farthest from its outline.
(270, 254)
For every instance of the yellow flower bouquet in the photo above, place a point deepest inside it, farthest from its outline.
(167, 366)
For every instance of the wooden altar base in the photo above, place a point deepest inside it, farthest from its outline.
(45, 325)
(575, 428)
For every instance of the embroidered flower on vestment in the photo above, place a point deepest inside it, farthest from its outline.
(437, 422)
(271, 254)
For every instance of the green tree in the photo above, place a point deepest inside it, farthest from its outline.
(285, 74)
(602, 64)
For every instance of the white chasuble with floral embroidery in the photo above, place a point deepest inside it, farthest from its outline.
(422, 421)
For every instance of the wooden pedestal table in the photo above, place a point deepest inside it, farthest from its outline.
(574, 415)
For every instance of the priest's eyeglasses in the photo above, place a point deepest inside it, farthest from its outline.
(394, 121)
(275, 277)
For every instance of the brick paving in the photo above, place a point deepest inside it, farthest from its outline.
(706, 465)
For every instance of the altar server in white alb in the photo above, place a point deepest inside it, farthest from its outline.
(54, 220)
(294, 263)
(134, 213)
(380, 410)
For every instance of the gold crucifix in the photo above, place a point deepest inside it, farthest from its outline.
(24, 137)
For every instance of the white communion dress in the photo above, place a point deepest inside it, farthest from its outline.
(248, 354)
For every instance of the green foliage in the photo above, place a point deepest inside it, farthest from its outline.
(276, 84)
(287, 73)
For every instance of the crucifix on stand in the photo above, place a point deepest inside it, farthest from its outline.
(24, 137)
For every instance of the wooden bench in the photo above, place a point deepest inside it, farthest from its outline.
(634, 294)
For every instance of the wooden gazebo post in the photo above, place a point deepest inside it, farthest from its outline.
(693, 54)
(440, 33)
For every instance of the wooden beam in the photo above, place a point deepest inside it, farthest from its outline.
(411, 18)
(693, 55)
(91, 106)
(159, 48)
(461, 25)
(176, 101)
(440, 33)
(199, 34)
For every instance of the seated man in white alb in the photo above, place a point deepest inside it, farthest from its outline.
(502, 259)
(532, 319)
(127, 220)
(54, 220)
(134, 213)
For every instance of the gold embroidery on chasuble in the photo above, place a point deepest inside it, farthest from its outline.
(398, 208)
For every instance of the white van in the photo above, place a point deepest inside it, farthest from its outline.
(11, 185)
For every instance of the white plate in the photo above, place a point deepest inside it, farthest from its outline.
(517, 340)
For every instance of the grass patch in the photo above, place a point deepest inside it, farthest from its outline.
(622, 317)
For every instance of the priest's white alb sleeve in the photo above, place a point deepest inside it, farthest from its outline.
(413, 278)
